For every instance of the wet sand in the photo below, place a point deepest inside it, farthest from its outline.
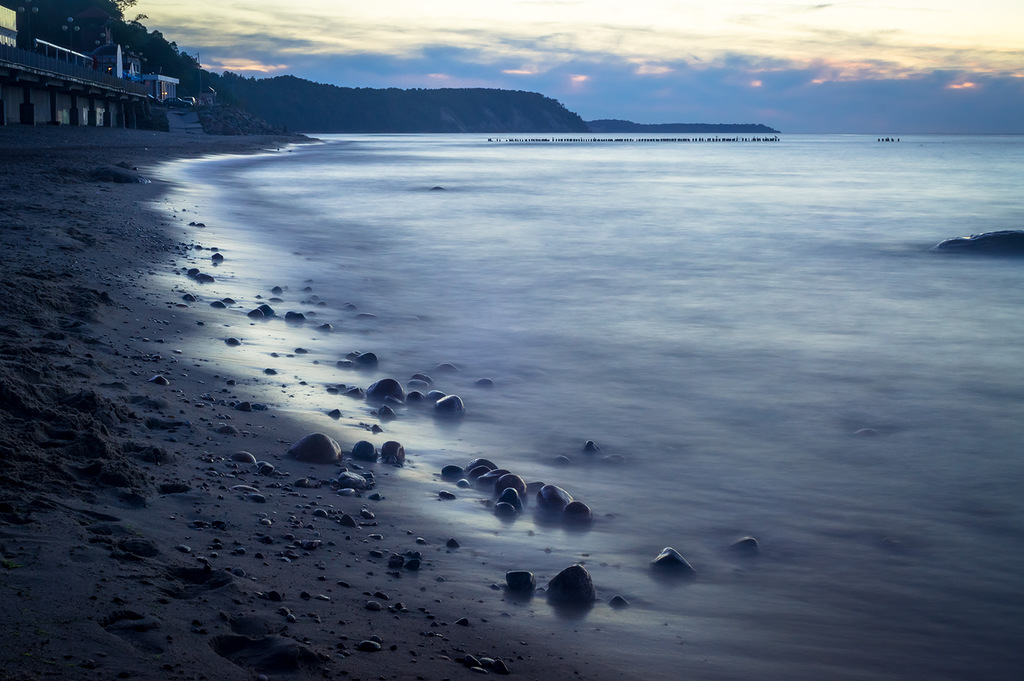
(132, 545)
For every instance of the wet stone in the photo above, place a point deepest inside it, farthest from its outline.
(670, 561)
(573, 585)
(316, 448)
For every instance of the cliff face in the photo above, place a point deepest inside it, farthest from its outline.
(302, 105)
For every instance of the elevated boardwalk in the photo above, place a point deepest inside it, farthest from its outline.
(38, 89)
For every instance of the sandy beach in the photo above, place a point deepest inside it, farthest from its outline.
(133, 542)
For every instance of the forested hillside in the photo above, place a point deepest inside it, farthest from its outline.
(305, 106)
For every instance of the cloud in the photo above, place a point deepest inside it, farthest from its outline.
(801, 70)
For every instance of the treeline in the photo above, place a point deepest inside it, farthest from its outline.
(305, 106)
(613, 125)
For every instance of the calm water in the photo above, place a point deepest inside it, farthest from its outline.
(725, 316)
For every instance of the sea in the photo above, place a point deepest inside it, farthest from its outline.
(754, 332)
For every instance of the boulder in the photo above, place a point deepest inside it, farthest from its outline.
(316, 448)
(572, 586)
(392, 452)
(384, 389)
(520, 581)
(364, 451)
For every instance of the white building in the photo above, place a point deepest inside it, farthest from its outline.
(8, 26)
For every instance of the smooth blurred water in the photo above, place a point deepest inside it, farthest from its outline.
(723, 315)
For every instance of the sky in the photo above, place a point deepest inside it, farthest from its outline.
(857, 66)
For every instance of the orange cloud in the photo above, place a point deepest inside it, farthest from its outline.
(244, 65)
(962, 86)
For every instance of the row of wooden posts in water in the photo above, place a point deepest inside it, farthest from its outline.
(634, 139)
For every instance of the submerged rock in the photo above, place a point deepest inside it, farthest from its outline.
(669, 561)
(316, 448)
(510, 481)
(577, 513)
(1004, 242)
(511, 496)
(449, 406)
(384, 389)
(553, 498)
(572, 585)
(745, 546)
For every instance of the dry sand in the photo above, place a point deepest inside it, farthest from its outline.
(124, 550)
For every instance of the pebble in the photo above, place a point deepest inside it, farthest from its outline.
(452, 472)
(233, 342)
(746, 545)
(374, 606)
(453, 543)
(618, 602)
(159, 380)
(369, 646)
(446, 495)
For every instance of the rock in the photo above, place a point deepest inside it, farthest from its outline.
(266, 310)
(366, 360)
(218, 304)
(520, 581)
(350, 480)
(510, 496)
(189, 298)
(368, 646)
(590, 447)
(577, 513)
(487, 480)
(453, 543)
(450, 406)
(385, 388)
(618, 602)
(204, 278)
(562, 460)
(118, 175)
(746, 546)
(325, 327)
(243, 457)
(510, 481)
(1004, 242)
(446, 368)
(316, 448)
(505, 510)
(483, 383)
(572, 586)
(255, 314)
(233, 342)
(490, 465)
(553, 498)
(392, 452)
(294, 317)
(445, 495)
(217, 257)
(669, 561)
(364, 451)
(452, 472)
(386, 413)
(159, 380)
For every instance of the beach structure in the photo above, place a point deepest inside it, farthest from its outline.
(55, 85)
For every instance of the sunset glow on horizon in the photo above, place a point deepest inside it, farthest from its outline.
(709, 57)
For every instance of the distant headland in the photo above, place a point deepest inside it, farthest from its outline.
(607, 125)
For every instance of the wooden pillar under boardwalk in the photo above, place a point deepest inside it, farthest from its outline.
(75, 114)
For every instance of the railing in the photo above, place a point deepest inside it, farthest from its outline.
(49, 65)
